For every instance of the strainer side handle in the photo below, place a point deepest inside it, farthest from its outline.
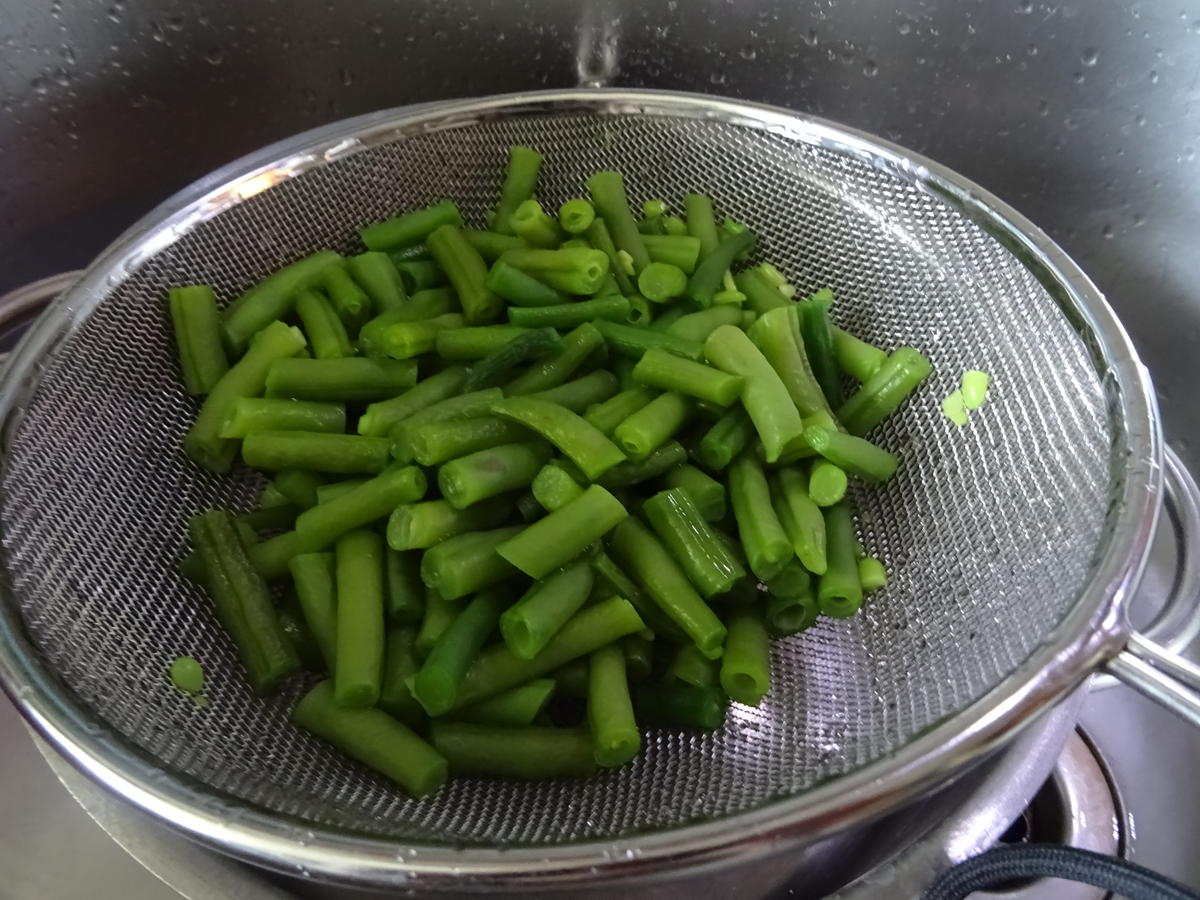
(1150, 661)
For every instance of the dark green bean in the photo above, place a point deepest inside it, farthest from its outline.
(326, 334)
(680, 705)
(520, 181)
(387, 336)
(350, 380)
(468, 562)
(358, 671)
(522, 290)
(608, 197)
(666, 457)
(568, 315)
(438, 613)
(817, 331)
(727, 438)
(467, 273)
(531, 753)
(419, 526)
(839, 591)
(631, 341)
(197, 326)
(316, 588)
(399, 664)
(599, 237)
(777, 334)
(271, 298)
(582, 393)
(410, 228)
(465, 344)
(420, 274)
(436, 684)
(405, 590)
(491, 245)
(496, 366)
(298, 486)
(704, 283)
(517, 706)
(339, 454)
(578, 346)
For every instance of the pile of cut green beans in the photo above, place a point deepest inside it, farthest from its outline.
(535, 487)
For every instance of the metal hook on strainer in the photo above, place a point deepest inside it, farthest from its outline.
(1015, 543)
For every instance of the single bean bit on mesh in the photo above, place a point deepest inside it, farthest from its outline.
(586, 441)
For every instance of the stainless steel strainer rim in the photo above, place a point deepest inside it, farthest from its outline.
(1093, 631)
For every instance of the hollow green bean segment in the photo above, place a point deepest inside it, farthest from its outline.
(361, 635)
(531, 753)
(746, 665)
(763, 538)
(706, 492)
(197, 325)
(373, 738)
(271, 298)
(615, 735)
(515, 707)
(653, 425)
(468, 562)
(839, 591)
(583, 443)
(576, 215)
(562, 535)
(708, 563)
(268, 414)
(489, 473)
(658, 368)
(549, 604)
(827, 483)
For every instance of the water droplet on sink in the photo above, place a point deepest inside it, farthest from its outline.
(1154, 76)
(1090, 56)
(1025, 7)
(870, 68)
(1077, 78)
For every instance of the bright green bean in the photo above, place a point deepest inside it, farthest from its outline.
(664, 370)
(706, 492)
(853, 454)
(520, 181)
(532, 753)
(727, 438)
(701, 222)
(681, 251)
(350, 380)
(746, 664)
(398, 338)
(612, 412)
(491, 245)
(552, 487)
(373, 738)
(762, 294)
(339, 454)
(410, 228)
(467, 273)
(563, 534)
(708, 564)
(576, 215)
(855, 357)
(473, 343)
(704, 283)
(298, 486)
(271, 298)
(326, 334)
(662, 282)
(871, 574)
(258, 414)
(882, 393)
(489, 473)
(464, 406)
(545, 608)
(840, 591)
(827, 483)
(575, 270)
(657, 621)
(615, 735)
(518, 706)
(361, 637)
(599, 237)
(381, 417)
(537, 227)
(801, 518)
(568, 315)
(582, 393)
(326, 492)
(372, 286)
(653, 425)
(522, 290)
(698, 326)
(436, 684)
(468, 562)
(419, 274)
(368, 502)
(765, 542)
(631, 341)
(434, 443)
(581, 442)
(777, 335)
(690, 666)
(197, 325)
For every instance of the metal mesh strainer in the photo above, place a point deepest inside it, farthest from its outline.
(1007, 540)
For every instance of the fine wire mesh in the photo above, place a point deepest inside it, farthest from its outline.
(989, 532)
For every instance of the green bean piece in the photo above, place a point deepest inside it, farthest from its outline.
(362, 505)
(608, 197)
(614, 577)
(690, 666)
(242, 602)
(397, 338)
(419, 274)
(186, 674)
(793, 580)
(434, 443)
(578, 346)
(746, 665)
(381, 417)
(658, 368)
(827, 483)
(582, 393)
(552, 487)
(280, 516)
(615, 735)
(291, 620)
(197, 326)
(410, 228)
(338, 454)
(681, 251)
(528, 508)
(817, 331)
(468, 562)
(532, 753)
(662, 282)
(350, 303)
(665, 318)
(405, 590)
(496, 366)
(764, 396)
(326, 334)
(765, 542)
(786, 616)
(271, 298)
(314, 576)
(436, 683)
(608, 415)
(680, 705)
(705, 560)
(631, 341)
(706, 492)
(599, 237)
(522, 290)
(379, 277)
(326, 492)
(645, 558)
(853, 454)
(373, 738)
(246, 378)
(360, 619)
(697, 326)
(427, 304)
(351, 380)
(640, 313)
(882, 393)
(777, 336)
(474, 343)
(840, 591)
(414, 253)
(410, 435)
(856, 357)
(801, 518)
(258, 414)
(762, 294)
(271, 557)
(545, 608)
(673, 226)
(497, 669)
(419, 526)
(467, 273)
(489, 473)
(638, 651)
(565, 533)
(666, 457)
(575, 270)
(701, 222)
(653, 425)
(581, 442)
(491, 245)
(725, 440)
(520, 181)
(571, 680)
(871, 574)
(399, 664)
(298, 486)
(436, 618)
(704, 283)
(537, 227)
(515, 707)
(576, 215)
(568, 315)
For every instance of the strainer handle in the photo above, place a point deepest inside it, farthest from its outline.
(1150, 661)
